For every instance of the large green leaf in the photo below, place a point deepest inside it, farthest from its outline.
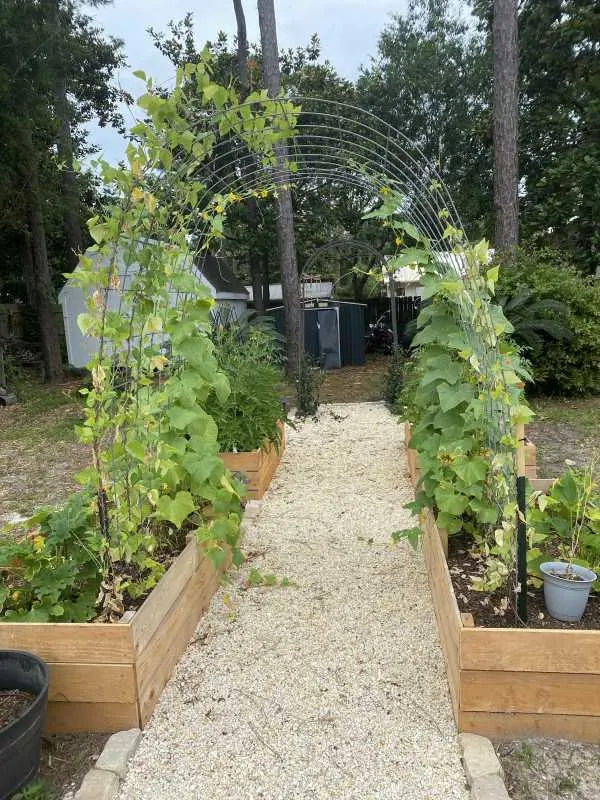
(453, 396)
(181, 418)
(449, 522)
(450, 501)
(175, 510)
(470, 470)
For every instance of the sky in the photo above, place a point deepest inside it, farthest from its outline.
(348, 30)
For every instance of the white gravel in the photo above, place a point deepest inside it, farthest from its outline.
(334, 688)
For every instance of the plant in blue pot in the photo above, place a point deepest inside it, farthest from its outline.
(567, 521)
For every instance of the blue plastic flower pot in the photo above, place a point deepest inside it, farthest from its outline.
(566, 598)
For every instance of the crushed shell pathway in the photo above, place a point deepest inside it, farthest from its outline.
(333, 688)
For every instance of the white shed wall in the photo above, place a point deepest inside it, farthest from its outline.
(81, 348)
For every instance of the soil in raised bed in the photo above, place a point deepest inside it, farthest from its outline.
(491, 609)
(13, 704)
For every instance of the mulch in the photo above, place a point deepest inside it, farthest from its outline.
(494, 609)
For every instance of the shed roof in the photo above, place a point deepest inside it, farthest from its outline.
(220, 275)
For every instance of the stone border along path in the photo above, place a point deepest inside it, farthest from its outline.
(333, 688)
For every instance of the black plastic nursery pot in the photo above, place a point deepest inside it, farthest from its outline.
(21, 739)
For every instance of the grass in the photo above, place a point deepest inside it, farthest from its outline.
(38, 790)
(39, 453)
(43, 413)
(581, 413)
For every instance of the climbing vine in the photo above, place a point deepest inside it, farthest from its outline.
(155, 469)
(466, 394)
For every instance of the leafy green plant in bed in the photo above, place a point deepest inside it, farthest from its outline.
(247, 418)
(155, 468)
(465, 398)
(564, 365)
(395, 378)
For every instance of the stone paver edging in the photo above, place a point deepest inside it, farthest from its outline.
(102, 782)
(485, 776)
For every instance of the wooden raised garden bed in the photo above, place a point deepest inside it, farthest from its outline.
(512, 682)
(258, 466)
(108, 678)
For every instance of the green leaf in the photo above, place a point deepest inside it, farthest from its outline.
(181, 418)
(521, 415)
(471, 470)
(175, 510)
(136, 449)
(221, 387)
(453, 396)
(201, 468)
(450, 501)
(412, 535)
(85, 322)
(486, 513)
(449, 522)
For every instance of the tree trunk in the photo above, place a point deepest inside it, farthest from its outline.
(242, 50)
(251, 204)
(72, 218)
(28, 271)
(506, 103)
(266, 288)
(257, 283)
(44, 304)
(290, 281)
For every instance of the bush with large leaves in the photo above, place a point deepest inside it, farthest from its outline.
(564, 365)
(249, 355)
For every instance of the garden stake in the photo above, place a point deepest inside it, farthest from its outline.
(521, 528)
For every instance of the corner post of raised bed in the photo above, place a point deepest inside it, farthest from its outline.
(521, 525)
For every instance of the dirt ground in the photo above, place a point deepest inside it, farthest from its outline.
(550, 769)
(356, 384)
(564, 430)
(38, 451)
(66, 759)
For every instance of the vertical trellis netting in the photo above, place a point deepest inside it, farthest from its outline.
(198, 153)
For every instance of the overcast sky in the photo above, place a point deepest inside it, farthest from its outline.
(348, 30)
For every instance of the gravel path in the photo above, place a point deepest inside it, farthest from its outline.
(334, 687)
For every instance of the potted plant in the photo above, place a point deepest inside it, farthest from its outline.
(23, 701)
(566, 589)
(567, 520)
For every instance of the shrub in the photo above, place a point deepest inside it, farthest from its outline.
(308, 386)
(248, 356)
(395, 377)
(561, 366)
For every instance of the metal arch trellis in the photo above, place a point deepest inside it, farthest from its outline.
(337, 244)
(332, 143)
(339, 143)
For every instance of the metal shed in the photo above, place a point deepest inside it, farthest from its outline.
(334, 332)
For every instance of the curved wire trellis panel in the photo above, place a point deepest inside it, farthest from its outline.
(332, 144)
(341, 144)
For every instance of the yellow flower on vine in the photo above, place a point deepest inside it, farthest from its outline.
(398, 241)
